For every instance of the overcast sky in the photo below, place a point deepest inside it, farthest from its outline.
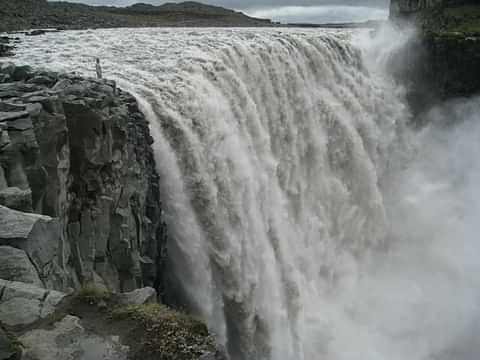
(314, 11)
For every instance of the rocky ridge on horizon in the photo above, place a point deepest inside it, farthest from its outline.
(30, 14)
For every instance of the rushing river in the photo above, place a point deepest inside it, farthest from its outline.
(307, 221)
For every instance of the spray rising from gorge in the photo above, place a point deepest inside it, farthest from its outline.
(305, 221)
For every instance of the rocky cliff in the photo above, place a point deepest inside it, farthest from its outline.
(82, 243)
(444, 61)
(79, 197)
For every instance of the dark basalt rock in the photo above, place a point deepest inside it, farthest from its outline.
(455, 64)
(78, 151)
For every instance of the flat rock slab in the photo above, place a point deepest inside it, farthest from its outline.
(16, 266)
(68, 340)
(39, 236)
(142, 296)
(22, 304)
(16, 199)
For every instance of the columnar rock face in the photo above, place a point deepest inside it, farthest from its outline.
(77, 182)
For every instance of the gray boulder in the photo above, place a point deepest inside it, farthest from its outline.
(16, 266)
(22, 304)
(38, 235)
(16, 199)
(145, 295)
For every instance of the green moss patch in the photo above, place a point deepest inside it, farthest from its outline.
(92, 295)
(462, 19)
(161, 333)
(152, 331)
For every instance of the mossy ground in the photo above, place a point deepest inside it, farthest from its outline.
(92, 295)
(455, 21)
(164, 334)
(152, 331)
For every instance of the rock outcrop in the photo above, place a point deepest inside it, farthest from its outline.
(444, 61)
(79, 195)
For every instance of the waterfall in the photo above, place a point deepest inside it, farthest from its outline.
(275, 149)
(282, 158)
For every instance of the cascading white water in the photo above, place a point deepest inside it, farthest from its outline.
(296, 230)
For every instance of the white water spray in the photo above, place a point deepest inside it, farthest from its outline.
(298, 229)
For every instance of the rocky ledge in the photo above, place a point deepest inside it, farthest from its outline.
(91, 323)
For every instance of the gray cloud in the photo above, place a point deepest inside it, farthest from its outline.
(320, 14)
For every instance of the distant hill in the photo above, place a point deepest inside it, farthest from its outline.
(28, 14)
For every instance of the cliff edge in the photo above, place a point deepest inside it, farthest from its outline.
(79, 196)
(447, 55)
